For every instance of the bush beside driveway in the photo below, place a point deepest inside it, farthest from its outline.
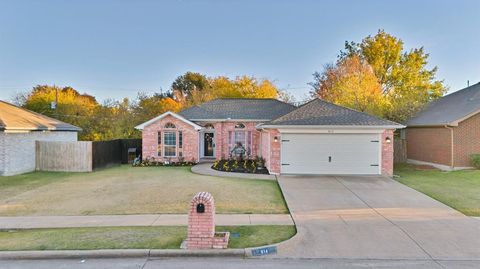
(457, 189)
(133, 190)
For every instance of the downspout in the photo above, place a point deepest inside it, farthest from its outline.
(452, 151)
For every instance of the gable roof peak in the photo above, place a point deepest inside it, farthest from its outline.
(318, 112)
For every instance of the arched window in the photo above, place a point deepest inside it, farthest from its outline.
(240, 126)
(209, 126)
(170, 125)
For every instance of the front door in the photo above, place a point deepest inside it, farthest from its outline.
(208, 144)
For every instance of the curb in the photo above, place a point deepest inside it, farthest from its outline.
(119, 253)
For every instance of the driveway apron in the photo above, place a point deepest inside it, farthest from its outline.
(373, 218)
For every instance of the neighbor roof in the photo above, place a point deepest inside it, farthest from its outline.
(238, 109)
(321, 113)
(450, 109)
(16, 118)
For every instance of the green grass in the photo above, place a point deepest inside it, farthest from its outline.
(160, 237)
(132, 190)
(457, 189)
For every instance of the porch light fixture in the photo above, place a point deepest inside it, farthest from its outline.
(275, 139)
(388, 140)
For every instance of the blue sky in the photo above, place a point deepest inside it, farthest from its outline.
(112, 49)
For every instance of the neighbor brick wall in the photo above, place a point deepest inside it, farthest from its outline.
(221, 138)
(2, 152)
(18, 149)
(466, 140)
(150, 139)
(429, 144)
(387, 153)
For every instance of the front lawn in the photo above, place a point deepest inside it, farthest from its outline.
(457, 189)
(159, 237)
(132, 190)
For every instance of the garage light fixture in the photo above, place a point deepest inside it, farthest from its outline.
(275, 139)
(388, 140)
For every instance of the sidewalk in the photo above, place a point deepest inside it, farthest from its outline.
(31, 222)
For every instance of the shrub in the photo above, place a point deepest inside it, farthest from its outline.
(475, 158)
(243, 166)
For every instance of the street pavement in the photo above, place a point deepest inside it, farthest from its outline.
(230, 263)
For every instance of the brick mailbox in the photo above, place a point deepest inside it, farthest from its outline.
(201, 224)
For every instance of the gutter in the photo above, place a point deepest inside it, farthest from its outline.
(452, 150)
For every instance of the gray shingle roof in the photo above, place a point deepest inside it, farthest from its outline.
(449, 109)
(16, 118)
(321, 113)
(238, 108)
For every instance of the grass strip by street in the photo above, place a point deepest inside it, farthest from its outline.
(161, 237)
(457, 189)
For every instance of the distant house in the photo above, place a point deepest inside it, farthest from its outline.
(316, 138)
(19, 129)
(447, 131)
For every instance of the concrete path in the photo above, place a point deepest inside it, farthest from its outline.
(137, 220)
(206, 169)
(373, 218)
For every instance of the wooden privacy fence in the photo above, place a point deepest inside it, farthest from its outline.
(75, 156)
(399, 150)
(107, 153)
(85, 156)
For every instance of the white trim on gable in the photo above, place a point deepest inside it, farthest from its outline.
(168, 113)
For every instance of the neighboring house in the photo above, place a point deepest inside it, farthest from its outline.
(19, 129)
(447, 131)
(315, 138)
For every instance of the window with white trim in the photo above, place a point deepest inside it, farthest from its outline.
(170, 143)
(159, 144)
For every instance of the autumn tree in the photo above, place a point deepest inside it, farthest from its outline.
(147, 106)
(351, 83)
(193, 88)
(406, 83)
(71, 106)
(189, 84)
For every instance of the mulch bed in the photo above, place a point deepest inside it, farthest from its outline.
(239, 166)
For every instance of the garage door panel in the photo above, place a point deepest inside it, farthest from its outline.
(330, 153)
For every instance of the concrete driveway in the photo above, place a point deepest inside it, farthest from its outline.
(357, 217)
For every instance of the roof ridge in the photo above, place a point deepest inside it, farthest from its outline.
(36, 114)
(355, 110)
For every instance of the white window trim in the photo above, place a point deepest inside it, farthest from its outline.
(176, 143)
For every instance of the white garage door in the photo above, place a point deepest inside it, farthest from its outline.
(330, 154)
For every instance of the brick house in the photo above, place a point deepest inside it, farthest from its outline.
(446, 132)
(315, 138)
(19, 129)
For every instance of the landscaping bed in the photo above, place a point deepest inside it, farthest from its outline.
(457, 189)
(158, 237)
(250, 166)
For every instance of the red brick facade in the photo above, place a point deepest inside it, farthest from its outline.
(201, 224)
(189, 149)
(264, 143)
(434, 144)
(224, 143)
(387, 153)
(271, 150)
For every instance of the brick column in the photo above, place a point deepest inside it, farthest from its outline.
(387, 153)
